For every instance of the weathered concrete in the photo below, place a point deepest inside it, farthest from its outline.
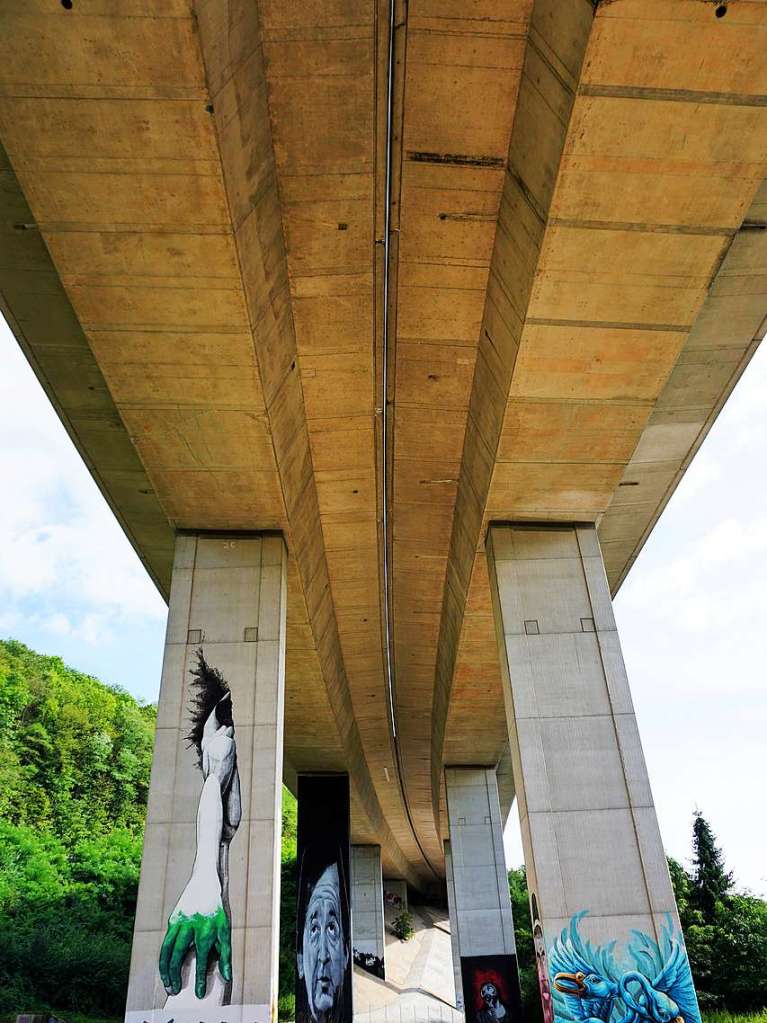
(419, 984)
(368, 908)
(589, 829)
(228, 599)
(480, 910)
(452, 911)
(395, 897)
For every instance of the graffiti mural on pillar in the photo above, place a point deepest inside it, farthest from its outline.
(196, 955)
(370, 962)
(541, 962)
(650, 983)
(491, 989)
(323, 924)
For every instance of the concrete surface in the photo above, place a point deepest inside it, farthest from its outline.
(589, 830)
(419, 976)
(367, 901)
(223, 590)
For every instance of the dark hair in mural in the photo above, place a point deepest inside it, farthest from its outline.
(209, 692)
(491, 991)
(323, 922)
(651, 984)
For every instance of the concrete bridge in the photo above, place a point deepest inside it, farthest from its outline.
(387, 331)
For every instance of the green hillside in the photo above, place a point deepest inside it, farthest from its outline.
(74, 772)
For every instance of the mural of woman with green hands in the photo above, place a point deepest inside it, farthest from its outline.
(196, 955)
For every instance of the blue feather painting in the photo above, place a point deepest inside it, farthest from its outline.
(650, 983)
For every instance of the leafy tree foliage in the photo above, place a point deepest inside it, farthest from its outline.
(74, 754)
(711, 882)
(725, 931)
(74, 773)
(288, 906)
(523, 933)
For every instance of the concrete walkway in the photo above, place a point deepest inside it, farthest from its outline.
(419, 986)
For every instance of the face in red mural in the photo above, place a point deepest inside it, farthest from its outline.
(491, 989)
(490, 999)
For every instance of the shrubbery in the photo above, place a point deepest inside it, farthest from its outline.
(402, 925)
(74, 773)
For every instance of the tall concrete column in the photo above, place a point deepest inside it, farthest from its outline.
(481, 924)
(595, 862)
(368, 909)
(451, 909)
(205, 947)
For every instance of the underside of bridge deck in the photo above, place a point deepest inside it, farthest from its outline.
(281, 269)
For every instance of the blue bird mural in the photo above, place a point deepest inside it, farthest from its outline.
(591, 985)
(661, 989)
(585, 979)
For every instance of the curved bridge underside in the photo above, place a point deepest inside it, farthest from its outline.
(195, 260)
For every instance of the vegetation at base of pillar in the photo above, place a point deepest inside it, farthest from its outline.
(402, 925)
(288, 893)
(75, 757)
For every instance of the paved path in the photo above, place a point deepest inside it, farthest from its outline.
(419, 985)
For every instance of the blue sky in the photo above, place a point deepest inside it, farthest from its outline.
(692, 613)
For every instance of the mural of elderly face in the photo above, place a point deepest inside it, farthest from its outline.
(325, 956)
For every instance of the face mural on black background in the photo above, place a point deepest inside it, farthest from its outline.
(491, 990)
(323, 925)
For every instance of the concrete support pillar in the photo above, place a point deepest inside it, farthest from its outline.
(451, 909)
(368, 909)
(595, 862)
(478, 891)
(395, 898)
(206, 938)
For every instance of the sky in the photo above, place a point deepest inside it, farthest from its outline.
(692, 613)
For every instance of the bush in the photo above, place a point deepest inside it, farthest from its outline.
(286, 1007)
(402, 926)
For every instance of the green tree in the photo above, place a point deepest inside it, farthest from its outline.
(74, 773)
(727, 940)
(523, 934)
(288, 906)
(710, 881)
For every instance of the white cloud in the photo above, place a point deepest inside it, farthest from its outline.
(692, 616)
(65, 563)
(59, 624)
(703, 471)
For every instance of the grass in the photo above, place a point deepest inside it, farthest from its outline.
(722, 1016)
(66, 1015)
(714, 1016)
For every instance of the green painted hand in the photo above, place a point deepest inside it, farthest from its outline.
(206, 933)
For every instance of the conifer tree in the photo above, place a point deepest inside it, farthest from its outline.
(710, 881)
